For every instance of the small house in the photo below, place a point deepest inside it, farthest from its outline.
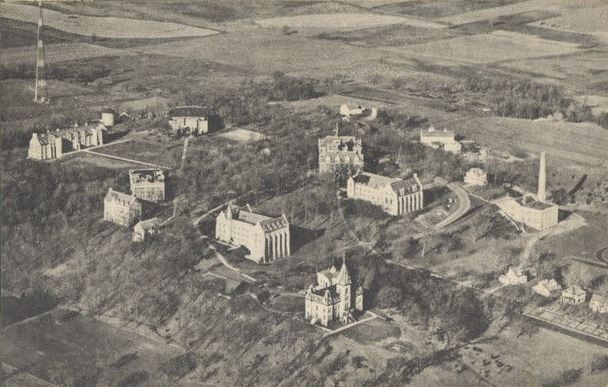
(573, 295)
(599, 303)
(144, 228)
(547, 288)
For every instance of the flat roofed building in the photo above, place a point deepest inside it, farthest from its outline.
(573, 295)
(476, 176)
(440, 139)
(192, 118)
(148, 184)
(267, 238)
(54, 144)
(332, 298)
(396, 196)
(531, 212)
(339, 150)
(120, 208)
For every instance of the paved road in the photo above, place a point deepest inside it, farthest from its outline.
(464, 206)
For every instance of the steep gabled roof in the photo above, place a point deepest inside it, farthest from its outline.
(189, 111)
(121, 198)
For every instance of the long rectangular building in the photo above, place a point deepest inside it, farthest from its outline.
(396, 196)
(267, 238)
(53, 145)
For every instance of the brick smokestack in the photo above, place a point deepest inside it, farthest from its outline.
(542, 178)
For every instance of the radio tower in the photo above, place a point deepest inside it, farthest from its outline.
(41, 94)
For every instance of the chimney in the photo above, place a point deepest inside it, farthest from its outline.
(542, 178)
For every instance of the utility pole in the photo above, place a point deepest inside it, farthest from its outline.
(41, 94)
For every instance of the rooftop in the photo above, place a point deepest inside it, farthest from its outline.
(432, 132)
(378, 181)
(119, 197)
(188, 111)
(147, 175)
(340, 143)
(528, 201)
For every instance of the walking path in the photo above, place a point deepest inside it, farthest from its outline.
(185, 151)
(330, 333)
(88, 150)
(223, 260)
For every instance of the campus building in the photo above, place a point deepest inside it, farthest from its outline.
(53, 145)
(332, 299)
(267, 238)
(339, 150)
(194, 119)
(396, 196)
(532, 210)
(145, 228)
(547, 288)
(121, 208)
(573, 295)
(476, 176)
(148, 184)
(440, 139)
(599, 303)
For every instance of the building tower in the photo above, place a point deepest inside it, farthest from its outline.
(40, 91)
(542, 178)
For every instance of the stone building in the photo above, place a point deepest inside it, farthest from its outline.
(514, 276)
(476, 176)
(148, 184)
(332, 298)
(52, 145)
(121, 208)
(267, 238)
(532, 210)
(194, 119)
(599, 303)
(573, 295)
(440, 139)
(547, 288)
(396, 196)
(144, 228)
(339, 150)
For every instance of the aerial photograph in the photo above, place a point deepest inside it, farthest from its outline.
(323, 193)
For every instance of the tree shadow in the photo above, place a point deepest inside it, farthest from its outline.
(113, 136)
(301, 236)
(563, 215)
(433, 194)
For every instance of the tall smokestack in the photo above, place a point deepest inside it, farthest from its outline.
(542, 178)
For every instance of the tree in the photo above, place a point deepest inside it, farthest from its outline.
(389, 297)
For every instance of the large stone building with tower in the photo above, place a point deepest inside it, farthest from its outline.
(54, 144)
(120, 208)
(332, 298)
(335, 151)
(267, 238)
(533, 210)
(394, 195)
(148, 184)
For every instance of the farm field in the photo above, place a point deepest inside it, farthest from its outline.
(57, 53)
(488, 48)
(580, 143)
(587, 20)
(512, 9)
(273, 52)
(67, 344)
(339, 21)
(390, 35)
(98, 26)
(441, 8)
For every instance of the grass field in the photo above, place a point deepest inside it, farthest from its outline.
(98, 26)
(57, 53)
(142, 149)
(70, 344)
(488, 48)
(441, 8)
(587, 20)
(581, 143)
(340, 21)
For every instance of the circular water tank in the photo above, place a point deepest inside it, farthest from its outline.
(107, 118)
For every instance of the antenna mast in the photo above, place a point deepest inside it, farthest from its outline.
(41, 94)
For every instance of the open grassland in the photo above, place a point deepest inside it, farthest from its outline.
(99, 26)
(441, 8)
(583, 68)
(341, 21)
(581, 143)
(512, 9)
(143, 149)
(57, 53)
(67, 344)
(272, 52)
(390, 35)
(488, 48)
(586, 19)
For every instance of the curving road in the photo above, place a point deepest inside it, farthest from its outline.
(464, 206)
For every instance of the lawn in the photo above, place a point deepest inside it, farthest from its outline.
(144, 149)
(98, 26)
(70, 345)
